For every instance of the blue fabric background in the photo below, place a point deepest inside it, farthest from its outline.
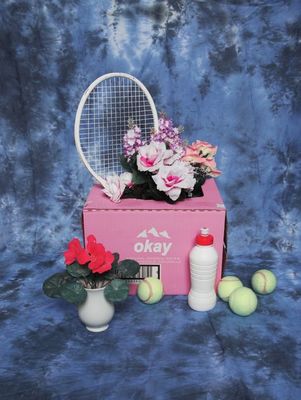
(230, 72)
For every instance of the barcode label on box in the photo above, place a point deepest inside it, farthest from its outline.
(146, 271)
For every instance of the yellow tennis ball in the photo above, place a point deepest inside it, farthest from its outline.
(150, 290)
(264, 281)
(227, 285)
(243, 301)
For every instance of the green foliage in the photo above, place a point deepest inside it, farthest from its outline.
(117, 290)
(200, 180)
(128, 268)
(52, 285)
(138, 178)
(73, 292)
(63, 285)
(115, 262)
(125, 164)
(116, 258)
(114, 270)
(78, 271)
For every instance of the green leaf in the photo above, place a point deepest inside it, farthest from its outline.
(108, 276)
(115, 262)
(73, 292)
(114, 270)
(125, 164)
(52, 285)
(128, 268)
(197, 190)
(117, 290)
(78, 271)
(138, 178)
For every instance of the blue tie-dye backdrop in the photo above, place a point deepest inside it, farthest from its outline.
(230, 72)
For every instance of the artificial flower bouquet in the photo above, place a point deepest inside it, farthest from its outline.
(163, 168)
(91, 268)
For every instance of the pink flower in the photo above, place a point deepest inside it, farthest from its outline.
(172, 179)
(151, 156)
(76, 252)
(115, 185)
(199, 151)
(132, 141)
(167, 133)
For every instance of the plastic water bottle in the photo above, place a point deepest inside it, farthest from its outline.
(203, 265)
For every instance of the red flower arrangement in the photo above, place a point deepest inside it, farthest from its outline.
(92, 267)
(99, 260)
(76, 252)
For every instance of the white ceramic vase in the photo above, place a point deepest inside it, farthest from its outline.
(96, 312)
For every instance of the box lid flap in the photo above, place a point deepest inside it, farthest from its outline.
(211, 200)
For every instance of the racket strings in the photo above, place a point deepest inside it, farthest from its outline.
(104, 122)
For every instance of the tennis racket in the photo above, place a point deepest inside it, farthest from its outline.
(102, 120)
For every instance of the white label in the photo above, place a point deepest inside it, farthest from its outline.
(149, 242)
(146, 271)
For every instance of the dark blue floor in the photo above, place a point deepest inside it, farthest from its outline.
(164, 351)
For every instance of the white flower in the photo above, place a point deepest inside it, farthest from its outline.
(151, 156)
(172, 179)
(114, 185)
(126, 178)
(177, 154)
(130, 136)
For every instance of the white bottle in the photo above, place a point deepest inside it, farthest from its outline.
(203, 265)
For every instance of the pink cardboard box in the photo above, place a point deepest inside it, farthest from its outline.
(156, 234)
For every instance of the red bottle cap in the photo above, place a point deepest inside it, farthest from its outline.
(203, 238)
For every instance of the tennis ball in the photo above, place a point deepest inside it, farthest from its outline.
(264, 281)
(150, 290)
(243, 301)
(227, 285)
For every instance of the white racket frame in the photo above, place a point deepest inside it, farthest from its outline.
(81, 106)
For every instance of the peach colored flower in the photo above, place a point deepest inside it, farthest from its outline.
(210, 168)
(199, 151)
